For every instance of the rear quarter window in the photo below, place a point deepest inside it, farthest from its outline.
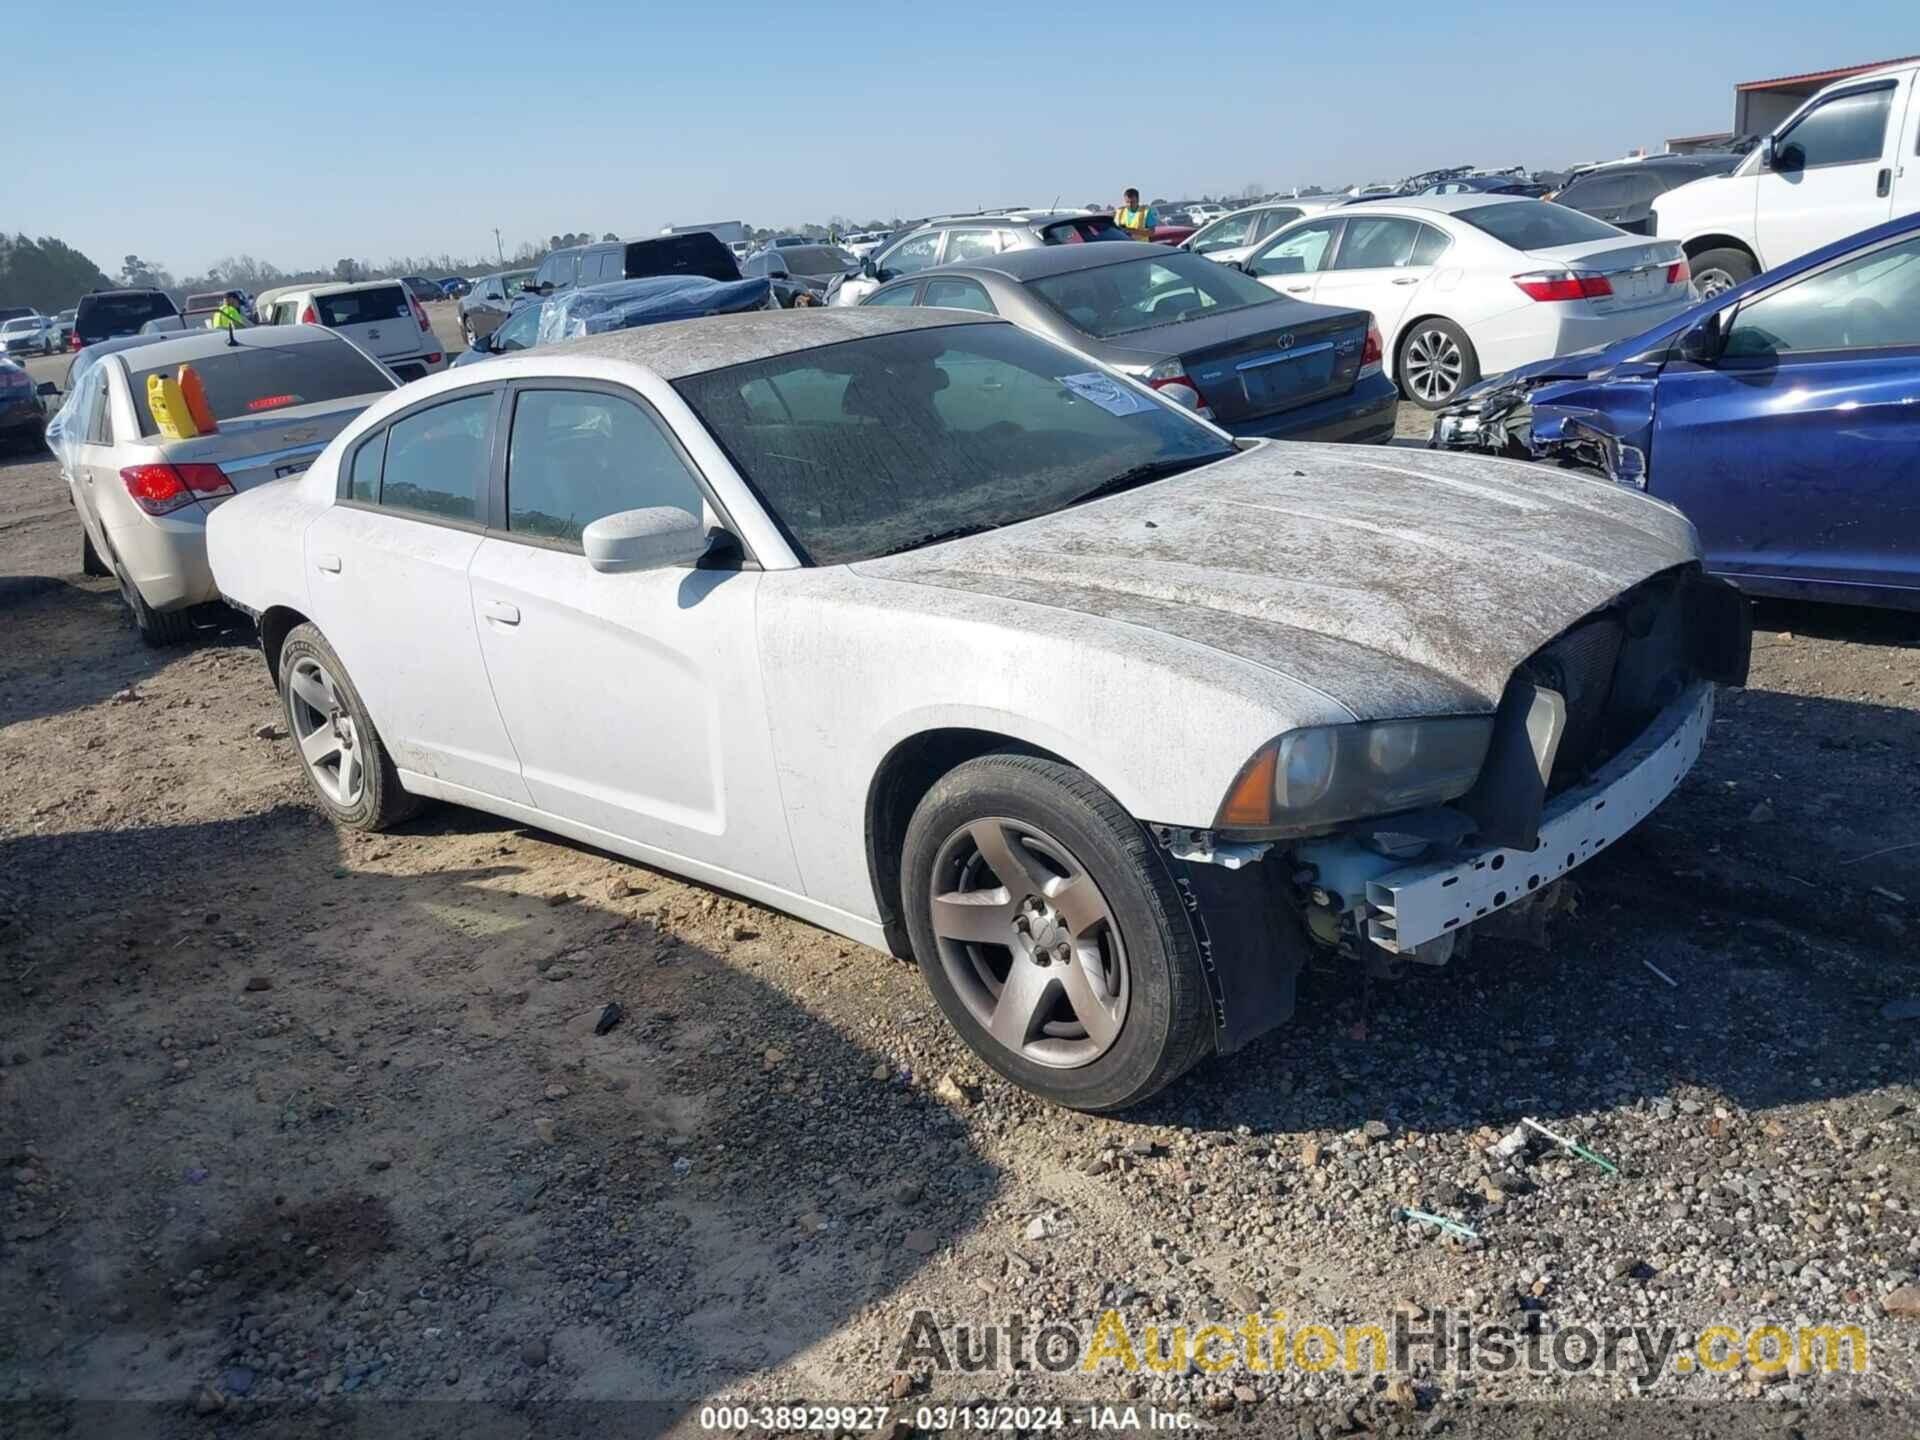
(257, 380)
(363, 307)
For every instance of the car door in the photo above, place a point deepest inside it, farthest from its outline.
(634, 699)
(1797, 454)
(387, 578)
(89, 454)
(1378, 267)
(1831, 171)
(1294, 260)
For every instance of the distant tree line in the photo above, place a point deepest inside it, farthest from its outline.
(46, 274)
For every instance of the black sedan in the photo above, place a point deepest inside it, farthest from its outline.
(1203, 335)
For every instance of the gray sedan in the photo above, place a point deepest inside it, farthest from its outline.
(1205, 335)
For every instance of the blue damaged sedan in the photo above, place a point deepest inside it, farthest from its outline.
(1782, 417)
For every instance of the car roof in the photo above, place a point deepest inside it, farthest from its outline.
(181, 347)
(1034, 264)
(680, 348)
(124, 290)
(341, 287)
(1437, 204)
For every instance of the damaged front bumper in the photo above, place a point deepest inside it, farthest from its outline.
(1402, 909)
(1601, 426)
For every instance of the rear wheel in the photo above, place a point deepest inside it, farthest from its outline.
(1717, 271)
(1437, 361)
(345, 760)
(1050, 933)
(466, 331)
(156, 627)
(90, 561)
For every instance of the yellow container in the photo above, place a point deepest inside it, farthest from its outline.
(168, 405)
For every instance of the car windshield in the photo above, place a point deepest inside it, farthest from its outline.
(1141, 294)
(1536, 224)
(257, 379)
(881, 444)
(27, 324)
(819, 260)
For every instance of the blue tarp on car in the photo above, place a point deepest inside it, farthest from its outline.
(623, 304)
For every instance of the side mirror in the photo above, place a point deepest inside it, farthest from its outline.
(652, 539)
(1702, 344)
(868, 268)
(46, 387)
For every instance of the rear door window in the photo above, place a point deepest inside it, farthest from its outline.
(1376, 242)
(260, 379)
(956, 294)
(363, 307)
(437, 460)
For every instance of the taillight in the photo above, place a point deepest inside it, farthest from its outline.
(434, 358)
(419, 314)
(307, 317)
(1375, 353)
(1564, 285)
(158, 489)
(1679, 273)
(73, 341)
(1170, 378)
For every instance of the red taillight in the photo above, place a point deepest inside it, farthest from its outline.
(1179, 389)
(419, 314)
(434, 358)
(1375, 353)
(158, 489)
(1679, 273)
(73, 341)
(307, 317)
(1564, 285)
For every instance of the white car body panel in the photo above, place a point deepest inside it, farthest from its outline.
(1201, 242)
(1472, 285)
(1780, 217)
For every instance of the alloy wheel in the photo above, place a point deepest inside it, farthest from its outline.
(1029, 943)
(1434, 364)
(323, 729)
(1713, 281)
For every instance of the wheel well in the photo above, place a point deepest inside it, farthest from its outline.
(1704, 243)
(275, 624)
(910, 770)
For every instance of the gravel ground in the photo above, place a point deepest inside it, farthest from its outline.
(296, 1124)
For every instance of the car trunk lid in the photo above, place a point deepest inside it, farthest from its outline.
(1268, 358)
(380, 321)
(1639, 274)
(256, 449)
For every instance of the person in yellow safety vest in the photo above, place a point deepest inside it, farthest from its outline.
(229, 316)
(1136, 219)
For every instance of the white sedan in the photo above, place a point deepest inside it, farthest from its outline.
(1469, 285)
(1231, 238)
(929, 631)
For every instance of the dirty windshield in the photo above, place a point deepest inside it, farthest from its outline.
(878, 445)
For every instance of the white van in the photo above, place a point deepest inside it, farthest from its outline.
(1845, 161)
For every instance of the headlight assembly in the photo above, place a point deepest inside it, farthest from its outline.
(1307, 780)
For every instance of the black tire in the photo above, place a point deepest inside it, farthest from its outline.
(90, 561)
(1717, 271)
(157, 628)
(466, 331)
(1168, 1024)
(1433, 336)
(381, 803)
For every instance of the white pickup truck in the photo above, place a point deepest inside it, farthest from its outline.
(1846, 160)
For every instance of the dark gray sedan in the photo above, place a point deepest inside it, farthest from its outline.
(1205, 335)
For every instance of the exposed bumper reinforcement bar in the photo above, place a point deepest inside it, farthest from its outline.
(1408, 907)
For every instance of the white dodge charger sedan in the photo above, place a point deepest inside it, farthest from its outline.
(930, 632)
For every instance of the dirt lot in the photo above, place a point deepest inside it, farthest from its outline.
(296, 1125)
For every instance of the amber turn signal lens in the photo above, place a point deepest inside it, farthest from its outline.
(1249, 803)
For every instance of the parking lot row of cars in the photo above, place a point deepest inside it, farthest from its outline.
(1007, 485)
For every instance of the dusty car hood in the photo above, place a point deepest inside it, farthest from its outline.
(1396, 582)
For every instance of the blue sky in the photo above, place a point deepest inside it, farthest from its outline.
(302, 134)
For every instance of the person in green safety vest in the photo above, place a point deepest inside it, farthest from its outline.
(229, 316)
(1136, 219)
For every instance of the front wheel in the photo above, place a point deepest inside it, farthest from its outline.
(1437, 362)
(1051, 935)
(345, 760)
(1717, 271)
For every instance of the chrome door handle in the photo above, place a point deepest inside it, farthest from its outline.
(328, 563)
(1407, 280)
(1296, 289)
(503, 612)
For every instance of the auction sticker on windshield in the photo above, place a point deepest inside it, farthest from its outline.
(1106, 392)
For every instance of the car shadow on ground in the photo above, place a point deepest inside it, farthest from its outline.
(1744, 889)
(261, 1077)
(1865, 625)
(66, 643)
